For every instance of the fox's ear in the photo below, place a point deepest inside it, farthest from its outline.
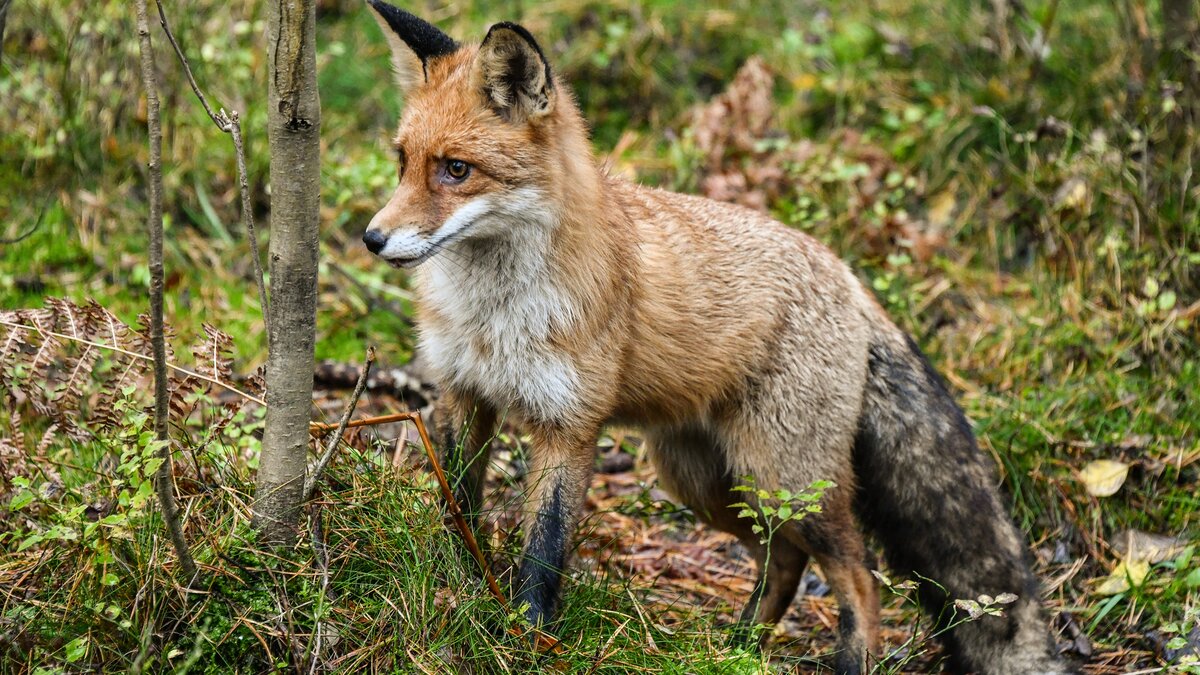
(413, 42)
(514, 74)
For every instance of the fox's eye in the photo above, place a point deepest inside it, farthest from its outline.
(457, 169)
(400, 162)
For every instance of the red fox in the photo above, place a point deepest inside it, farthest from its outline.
(572, 300)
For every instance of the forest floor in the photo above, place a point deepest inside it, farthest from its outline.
(1017, 188)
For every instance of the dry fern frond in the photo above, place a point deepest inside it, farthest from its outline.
(214, 361)
(70, 364)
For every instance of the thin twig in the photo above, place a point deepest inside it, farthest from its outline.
(311, 483)
(41, 214)
(221, 123)
(543, 640)
(229, 123)
(235, 131)
(135, 355)
(163, 478)
(456, 511)
(321, 428)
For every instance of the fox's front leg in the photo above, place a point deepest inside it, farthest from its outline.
(466, 427)
(556, 485)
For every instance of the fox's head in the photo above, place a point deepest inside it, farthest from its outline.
(483, 144)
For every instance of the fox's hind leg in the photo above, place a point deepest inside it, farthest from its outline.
(831, 537)
(778, 579)
(691, 466)
(835, 542)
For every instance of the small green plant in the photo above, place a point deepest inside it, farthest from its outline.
(902, 658)
(1181, 647)
(773, 509)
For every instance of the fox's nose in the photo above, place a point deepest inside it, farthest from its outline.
(374, 239)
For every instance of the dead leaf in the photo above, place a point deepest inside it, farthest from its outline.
(1104, 477)
(1128, 573)
(1143, 546)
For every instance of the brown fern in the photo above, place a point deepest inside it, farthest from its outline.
(70, 364)
(113, 333)
(212, 360)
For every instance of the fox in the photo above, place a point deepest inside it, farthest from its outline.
(570, 300)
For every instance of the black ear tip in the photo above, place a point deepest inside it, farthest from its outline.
(421, 36)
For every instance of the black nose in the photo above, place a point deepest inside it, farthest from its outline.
(374, 239)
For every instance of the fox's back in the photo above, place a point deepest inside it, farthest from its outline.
(726, 295)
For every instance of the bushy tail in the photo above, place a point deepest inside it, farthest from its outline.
(928, 494)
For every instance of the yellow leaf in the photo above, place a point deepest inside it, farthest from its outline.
(1104, 477)
(1112, 584)
(1128, 573)
(1137, 570)
(941, 208)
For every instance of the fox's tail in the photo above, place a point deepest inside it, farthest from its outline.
(926, 491)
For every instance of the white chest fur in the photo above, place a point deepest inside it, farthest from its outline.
(500, 306)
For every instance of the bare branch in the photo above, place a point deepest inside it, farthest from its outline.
(235, 131)
(229, 123)
(319, 428)
(332, 444)
(163, 478)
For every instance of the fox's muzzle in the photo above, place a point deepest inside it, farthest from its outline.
(375, 240)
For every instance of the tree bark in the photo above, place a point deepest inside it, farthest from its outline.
(4, 5)
(293, 130)
(164, 483)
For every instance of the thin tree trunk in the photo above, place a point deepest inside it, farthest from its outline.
(293, 129)
(164, 483)
(4, 5)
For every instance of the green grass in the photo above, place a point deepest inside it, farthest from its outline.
(1061, 302)
(396, 592)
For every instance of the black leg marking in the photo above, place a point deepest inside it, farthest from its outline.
(850, 652)
(545, 556)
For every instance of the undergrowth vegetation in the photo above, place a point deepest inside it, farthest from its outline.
(1016, 186)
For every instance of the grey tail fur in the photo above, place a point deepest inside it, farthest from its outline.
(928, 494)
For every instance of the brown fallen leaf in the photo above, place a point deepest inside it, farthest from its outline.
(1152, 548)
